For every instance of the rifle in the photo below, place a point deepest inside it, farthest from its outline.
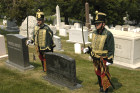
(101, 59)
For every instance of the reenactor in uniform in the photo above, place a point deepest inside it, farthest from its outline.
(101, 51)
(42, 38)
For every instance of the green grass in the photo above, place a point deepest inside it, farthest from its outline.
(14, 81)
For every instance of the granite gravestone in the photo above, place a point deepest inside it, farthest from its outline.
(61, 70)
(12, 26)
(18, 52)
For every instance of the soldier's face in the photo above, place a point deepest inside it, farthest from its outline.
(99, 26)
(40, 22)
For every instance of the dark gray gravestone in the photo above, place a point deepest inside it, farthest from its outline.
(12, 26)
(18, 52)
(61, 70)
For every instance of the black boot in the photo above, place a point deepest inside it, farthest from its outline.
(106, 91)
(42, 65)
(101, 87)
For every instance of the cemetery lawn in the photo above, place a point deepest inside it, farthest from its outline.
(125, 80)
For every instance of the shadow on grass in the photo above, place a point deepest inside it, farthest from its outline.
(36, 64)
(78, 81)
(116, 84)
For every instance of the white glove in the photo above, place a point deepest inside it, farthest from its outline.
(107, 63)
(85, 50)
(28, 42)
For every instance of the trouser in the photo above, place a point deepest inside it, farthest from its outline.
(43, 61)
(43, 58)
(102, 78)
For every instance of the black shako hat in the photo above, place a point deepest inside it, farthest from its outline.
(100, 17)
(40, 15)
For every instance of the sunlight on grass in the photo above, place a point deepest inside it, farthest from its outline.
(14, 81)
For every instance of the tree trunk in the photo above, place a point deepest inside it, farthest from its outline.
(66, 20)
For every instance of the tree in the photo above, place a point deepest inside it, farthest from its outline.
(134, 11)
(17, 9)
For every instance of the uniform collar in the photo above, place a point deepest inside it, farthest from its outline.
(101, 31)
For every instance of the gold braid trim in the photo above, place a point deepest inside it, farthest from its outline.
(111, 57)
(45, 48)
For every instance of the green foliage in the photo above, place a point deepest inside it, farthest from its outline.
(74, 9)
(17, 9)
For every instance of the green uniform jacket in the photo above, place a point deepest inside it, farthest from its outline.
(103, 44)
(43, 37)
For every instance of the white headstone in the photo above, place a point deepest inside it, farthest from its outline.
(31, 25)
(132, 28)
(58, 17)
(77, 25)
(2, 47)
(57, 41)
(77, 48)
(75, 35)
(4, 22)
(62, 32)
(93, 27)
(125, 28)
(62, 25)
(112, 28)
(106, 27)
(118, 27)
(90, 18)
(90, 35)
(53, 28)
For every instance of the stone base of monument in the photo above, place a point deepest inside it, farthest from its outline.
(61, 70)
(21, 68)
(12, 29)
(131, 66)
(61, 83)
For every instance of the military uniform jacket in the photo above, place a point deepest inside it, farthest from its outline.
(103, 45)
(43, 37)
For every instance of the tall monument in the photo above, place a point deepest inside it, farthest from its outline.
(87, 15)
(58, 17)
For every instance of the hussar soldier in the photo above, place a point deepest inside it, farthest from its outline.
(42, 38)
(101, 51)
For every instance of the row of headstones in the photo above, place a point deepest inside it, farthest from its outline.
(75, 32)
(126, 28)
(61, 69)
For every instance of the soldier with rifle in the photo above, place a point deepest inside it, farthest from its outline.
(101, 51)
(42, 38)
